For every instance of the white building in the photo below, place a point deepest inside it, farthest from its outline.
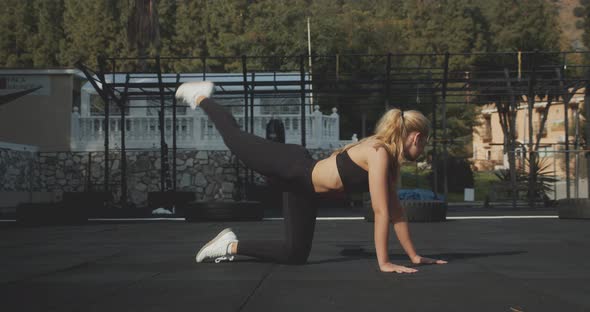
(41, 118)
(276, 95)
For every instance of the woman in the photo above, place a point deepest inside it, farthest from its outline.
(371, 164)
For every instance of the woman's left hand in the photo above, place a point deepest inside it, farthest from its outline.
(423, 260)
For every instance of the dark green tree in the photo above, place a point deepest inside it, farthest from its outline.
(16, 39)
(90, 30)
(167, 22)
(456, 26)
(523, 25)
(277, 27)
(226, 23)
(190, 34)
(49, 34)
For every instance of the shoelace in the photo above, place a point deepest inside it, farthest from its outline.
(224, 258)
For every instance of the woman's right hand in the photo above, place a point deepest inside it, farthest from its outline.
(390, 267)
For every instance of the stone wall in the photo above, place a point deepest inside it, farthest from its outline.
(16, 170)
(210, 174)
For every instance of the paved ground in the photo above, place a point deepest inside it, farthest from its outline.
(495, 265)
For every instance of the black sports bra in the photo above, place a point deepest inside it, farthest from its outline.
(354, 178)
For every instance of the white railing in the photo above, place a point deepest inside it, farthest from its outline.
(195, 130)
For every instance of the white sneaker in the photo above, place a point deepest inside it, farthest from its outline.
(218, 247)
(190, 91)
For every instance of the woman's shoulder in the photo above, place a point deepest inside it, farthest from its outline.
(377, 146)
(379, 152)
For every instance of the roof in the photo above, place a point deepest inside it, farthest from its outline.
(42, 71)
(232, 81)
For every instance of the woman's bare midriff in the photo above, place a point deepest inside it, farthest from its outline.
(325, 176)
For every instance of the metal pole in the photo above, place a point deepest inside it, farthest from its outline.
(434, 156)
(587, 127)
(303, 121)
(511, 137)
(388, 81)
(174, 134)
(251, 119)
(253, 75)
(444, 125)
(565, 97)
(113, 71)
(237, 164)
(567, 143)
(577, 158)
(102, 69)
(163, 149)
(554, 173)
(310, 67)
(122, 103)
(576, 133)
(532, 156)
(204, 62)
(245, 80)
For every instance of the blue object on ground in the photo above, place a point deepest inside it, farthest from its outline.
(418, 194)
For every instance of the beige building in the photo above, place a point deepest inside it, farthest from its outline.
(41, 118)
(488, 138)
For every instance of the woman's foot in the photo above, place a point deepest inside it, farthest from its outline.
(194, 92)
(219, 247)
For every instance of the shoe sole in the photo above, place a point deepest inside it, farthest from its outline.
(188, 85)
(211, 242)
(192, 84)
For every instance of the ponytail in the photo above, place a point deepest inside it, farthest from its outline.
(391, 130)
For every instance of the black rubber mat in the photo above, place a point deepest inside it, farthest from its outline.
(494, 265)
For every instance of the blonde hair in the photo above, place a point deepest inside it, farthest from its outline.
(392, 129)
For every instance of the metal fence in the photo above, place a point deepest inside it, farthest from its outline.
(454, 89)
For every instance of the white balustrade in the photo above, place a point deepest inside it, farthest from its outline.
(195, 130)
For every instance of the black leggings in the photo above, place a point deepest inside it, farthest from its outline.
(288, 164)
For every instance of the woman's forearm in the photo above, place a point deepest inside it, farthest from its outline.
(381, 236)
(402, 232)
